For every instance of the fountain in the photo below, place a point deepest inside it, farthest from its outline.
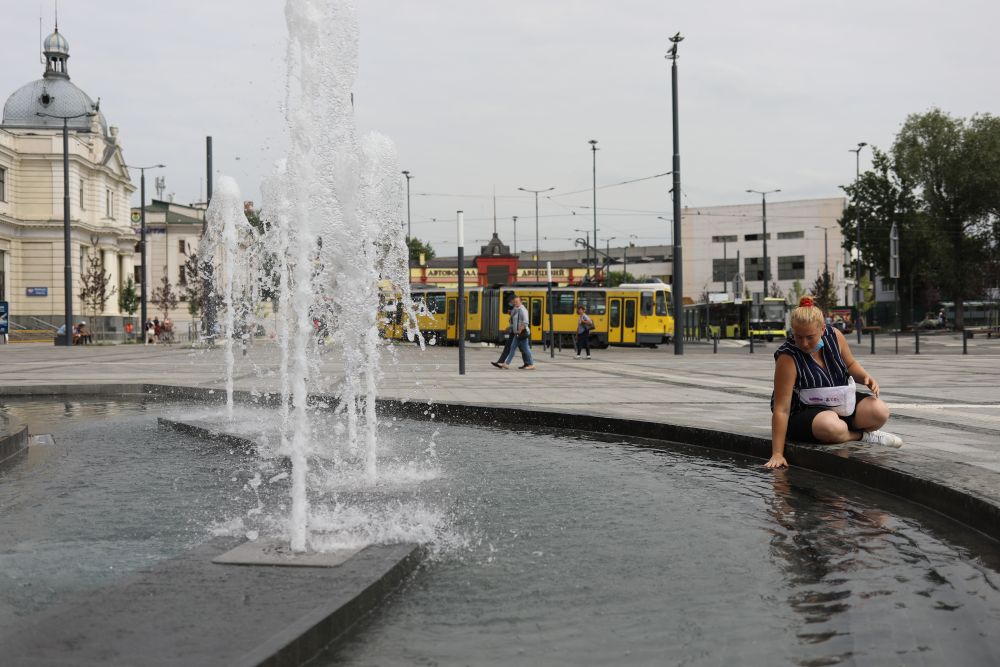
(331, 238)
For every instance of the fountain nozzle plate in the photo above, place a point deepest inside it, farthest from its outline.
(279, 553)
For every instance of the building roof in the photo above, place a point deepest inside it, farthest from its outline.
(54, 95)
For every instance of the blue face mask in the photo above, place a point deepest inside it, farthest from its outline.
(819, 346)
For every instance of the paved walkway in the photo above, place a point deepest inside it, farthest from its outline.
(946, 405)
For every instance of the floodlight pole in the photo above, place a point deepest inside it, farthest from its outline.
(67, 232)
(677, 259)
(142, 240)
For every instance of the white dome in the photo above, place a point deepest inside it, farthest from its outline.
(53, 96)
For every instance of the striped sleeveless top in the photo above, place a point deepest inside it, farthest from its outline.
(809, 374)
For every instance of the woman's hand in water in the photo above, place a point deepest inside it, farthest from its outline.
(776, 461)
(872, 384)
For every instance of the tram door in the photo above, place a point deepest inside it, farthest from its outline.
(614, 321)
(535, 313)
(452, 318)
(628, 331)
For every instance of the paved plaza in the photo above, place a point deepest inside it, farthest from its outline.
(945, 404)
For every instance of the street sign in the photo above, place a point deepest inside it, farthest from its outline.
(894, 252)
(3, 317)
(36, 291)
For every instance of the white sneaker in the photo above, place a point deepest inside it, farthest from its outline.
(577, 356)
(882, 438)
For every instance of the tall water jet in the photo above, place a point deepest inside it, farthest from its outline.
(336, 210)
(225, 245)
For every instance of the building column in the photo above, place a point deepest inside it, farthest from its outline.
(111, 269)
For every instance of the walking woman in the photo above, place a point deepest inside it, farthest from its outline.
(583, 326)
(815, 400)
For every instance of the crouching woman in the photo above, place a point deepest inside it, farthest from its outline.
(814, 399)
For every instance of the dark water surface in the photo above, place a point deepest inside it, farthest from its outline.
(559, 549)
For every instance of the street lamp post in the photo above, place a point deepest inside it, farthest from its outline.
(515, 234)
(857, 243)
(408, 177)
(763, 204)
(536, 193)
(67, 235)
(625, 254)
(607, 256)
(142, 240)
(593, 150)
(677, 259)
(826, 249)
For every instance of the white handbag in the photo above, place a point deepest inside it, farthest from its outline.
(839, 399)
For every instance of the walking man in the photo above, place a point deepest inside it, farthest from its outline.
(583, 326)
(521, 334)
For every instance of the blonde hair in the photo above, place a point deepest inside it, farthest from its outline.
(807, 313)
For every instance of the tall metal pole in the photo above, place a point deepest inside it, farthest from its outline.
(67, 232)
(461, 292)
(857, 244)
(536, 193)
(208, 269)
(767, 265)
(593, 149)
(142, 247)
(677, 259)
(67, 240)
(515, 234)
(408, 177)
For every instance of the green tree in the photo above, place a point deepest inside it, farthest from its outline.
(128, 298)
(823, 291)
(417, 248)
(164, 296)
(954, 165)
(193, 286)
(95, 283)
(796, 293)
(616, 278)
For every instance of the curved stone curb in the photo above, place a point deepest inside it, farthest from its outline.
(190, 611)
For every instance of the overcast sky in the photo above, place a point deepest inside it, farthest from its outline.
(483, 96)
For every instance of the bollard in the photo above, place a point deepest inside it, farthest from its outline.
(916, 339)
(897, 341)
(715, 344)
(873, 342)
(965, 341)
(751, 343)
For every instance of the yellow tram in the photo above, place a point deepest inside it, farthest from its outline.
(630, 315)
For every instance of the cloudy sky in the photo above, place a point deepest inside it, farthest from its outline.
(483, 97)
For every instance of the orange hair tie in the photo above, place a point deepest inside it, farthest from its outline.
(806, 302)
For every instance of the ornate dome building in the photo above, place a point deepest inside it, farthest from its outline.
(31, 198)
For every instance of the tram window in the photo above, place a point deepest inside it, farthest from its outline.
(562, 303)
(451, 314)
(594, 301)
(435, 302)
(616, 314)
(629, 314)
(473, 300)
(508, 297)
(646, 307)
(661, 303)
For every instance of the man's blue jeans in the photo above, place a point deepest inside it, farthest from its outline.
(523, 344)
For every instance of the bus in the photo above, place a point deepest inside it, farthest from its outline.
(738, 319)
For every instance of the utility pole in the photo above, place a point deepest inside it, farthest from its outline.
(857, 240)
(408, 177)
(593, 150)
(536, 193)
(677, 260)
(767, 266)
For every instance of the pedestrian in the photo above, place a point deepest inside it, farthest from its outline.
(149, 334)
(583, 326)
(508, 340)
(521, 335)
(814, 399)
(941, 320)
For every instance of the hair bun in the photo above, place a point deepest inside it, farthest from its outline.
(806, 302)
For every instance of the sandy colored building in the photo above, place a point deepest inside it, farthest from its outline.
(31, 196)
